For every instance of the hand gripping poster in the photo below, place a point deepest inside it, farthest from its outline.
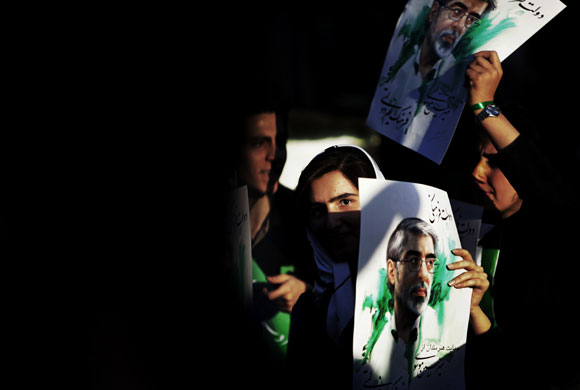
(421, 91)
(410, 326)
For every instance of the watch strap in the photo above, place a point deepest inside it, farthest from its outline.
(481, 105)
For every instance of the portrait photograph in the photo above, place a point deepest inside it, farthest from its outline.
(410, 326)
(422, 90)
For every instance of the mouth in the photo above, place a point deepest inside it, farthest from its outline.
(420, 292)
(448, 38)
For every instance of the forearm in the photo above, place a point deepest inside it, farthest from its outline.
(500, 131)
(479, 321)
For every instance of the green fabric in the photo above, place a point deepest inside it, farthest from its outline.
(489, 257)
(277, 328)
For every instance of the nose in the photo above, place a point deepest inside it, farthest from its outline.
(480, 171)
(271, 152)
(333, 220)
(423, 273)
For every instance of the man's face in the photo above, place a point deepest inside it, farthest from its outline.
(496, 188)
(258, 151)
(445, 33)
(413, 288)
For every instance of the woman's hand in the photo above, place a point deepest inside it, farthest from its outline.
(484, 75)
(475, 278)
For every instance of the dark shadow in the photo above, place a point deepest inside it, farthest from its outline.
(395, 194)
(444, 373)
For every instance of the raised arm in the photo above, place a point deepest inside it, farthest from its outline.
(484, 75)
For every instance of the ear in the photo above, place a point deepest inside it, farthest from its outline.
(391, 271)
(433, 11)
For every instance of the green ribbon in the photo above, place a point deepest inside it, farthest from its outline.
(477, 106)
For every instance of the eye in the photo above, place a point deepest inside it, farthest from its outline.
(457, 12)
(259, 142)
(316, 211)
(414, 261)
(345, 202)
(472, 20)
(491, 159)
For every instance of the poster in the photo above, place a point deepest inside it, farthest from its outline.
(239, 245)
(468, 221)
(410, 327)
(421, 90)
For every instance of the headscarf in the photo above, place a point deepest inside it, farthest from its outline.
(337, 276)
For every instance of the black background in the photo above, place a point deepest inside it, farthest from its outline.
(131, 119)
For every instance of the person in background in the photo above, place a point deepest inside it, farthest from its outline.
(281, 256)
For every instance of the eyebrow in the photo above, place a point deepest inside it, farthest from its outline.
(259, 138)
(464, 7)
(342, 196)
(418, 254)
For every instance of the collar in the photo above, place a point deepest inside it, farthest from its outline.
(414, 332)
(412, 335)
(434, 70)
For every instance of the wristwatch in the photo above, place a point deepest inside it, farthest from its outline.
(490, 110)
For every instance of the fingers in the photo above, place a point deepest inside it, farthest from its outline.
(278, 279)
(289, 290)
(476, 279)
(474, 276)
(484, 74)
(490, 56)
(481, 65)
(463, 253)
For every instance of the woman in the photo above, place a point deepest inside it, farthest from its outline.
(533, 343)
(320, 341)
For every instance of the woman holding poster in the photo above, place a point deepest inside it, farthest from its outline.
(533, 343)
(416, 292)
(321, 335)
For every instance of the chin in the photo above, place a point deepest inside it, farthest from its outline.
(418, 305)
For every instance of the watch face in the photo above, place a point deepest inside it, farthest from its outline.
(492, 110)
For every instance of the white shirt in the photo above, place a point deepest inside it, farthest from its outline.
(417, 364)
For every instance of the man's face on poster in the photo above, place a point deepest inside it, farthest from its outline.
(444, 32)
(412, 286)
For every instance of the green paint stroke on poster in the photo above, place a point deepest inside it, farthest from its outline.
(477, 36)
(440, 289)
(414, 32)
(379, 306)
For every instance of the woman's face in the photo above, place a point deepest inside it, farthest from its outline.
(495, 186)
(334, 216)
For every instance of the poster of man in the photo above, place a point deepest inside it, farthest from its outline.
(421, 90)
(410, 326)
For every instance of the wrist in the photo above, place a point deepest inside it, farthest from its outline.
(480, 105)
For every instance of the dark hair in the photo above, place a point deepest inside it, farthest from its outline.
(492, 4)
(351, 161)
